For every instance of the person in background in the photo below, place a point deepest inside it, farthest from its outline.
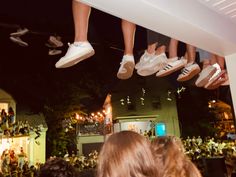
(11, 115)
(171, 161)
(126, 154)
(57, 167)
(21, 158)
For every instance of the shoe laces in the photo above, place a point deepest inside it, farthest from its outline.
(146, 57)
(162, 62)
(187, 68)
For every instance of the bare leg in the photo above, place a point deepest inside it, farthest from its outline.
(151, 48)
(205, 63)
(191, 53)
(213, 59)
(160, 50)
(128, 30)
(81, 13)
(173, 48)
(81, 49)
(221, 61)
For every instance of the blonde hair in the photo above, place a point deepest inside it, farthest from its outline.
(126, 154)
(171, 160)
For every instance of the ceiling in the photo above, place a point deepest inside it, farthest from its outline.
(226, 8)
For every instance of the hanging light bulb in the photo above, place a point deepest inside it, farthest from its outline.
(128, 100)
(143, 91)
(142, 101)
(122, 102)
(169, 95)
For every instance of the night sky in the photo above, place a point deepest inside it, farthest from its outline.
(28, 73)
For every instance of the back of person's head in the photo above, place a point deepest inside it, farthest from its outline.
(87, 173)
(57, 167)
(126, 154)
(170, 158)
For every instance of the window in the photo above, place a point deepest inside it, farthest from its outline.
(4, 106)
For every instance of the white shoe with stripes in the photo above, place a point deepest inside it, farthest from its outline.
(188, 72)
(173, 65)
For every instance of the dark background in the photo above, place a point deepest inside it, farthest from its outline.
(29, 74)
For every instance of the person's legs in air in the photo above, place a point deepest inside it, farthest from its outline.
(221, 62)
(81, 49)
(220, 76)
(173, 49)
(127, 64)
(148, 54)
(192, 68)
(174, 63)
(154, 58)
(208, 69)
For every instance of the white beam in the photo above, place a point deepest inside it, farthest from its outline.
(186, 20)
(231, 65)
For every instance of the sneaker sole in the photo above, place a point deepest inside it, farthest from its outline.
(170, 71)
(129, 66)
(74, 60)
(18, 34)
(201, 81)
(55, 43)
(21, 43)
(190, 75)
(215, 82)
(148, 71)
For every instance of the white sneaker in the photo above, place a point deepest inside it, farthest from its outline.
(126, 67)
(55, 41)
(77, 52)
(156, 63)
(218, 73)
(205, 76)
(144, 58)
(189, 71)
(54, 52)
(173, 65)
(19, 41)
(20, 32)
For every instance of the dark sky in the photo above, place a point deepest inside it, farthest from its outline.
(29, 73)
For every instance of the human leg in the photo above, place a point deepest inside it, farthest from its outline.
(192, 68)
(148, 54)
(207, 68)
(127, 64)
(173, 63)
(154, 57)
(81, 13)
(173, 48)
(81, 49)
(220, 76)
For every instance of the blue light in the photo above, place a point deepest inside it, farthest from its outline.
(160, 129)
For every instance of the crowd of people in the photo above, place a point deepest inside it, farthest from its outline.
(130, 154)
(10, 127)
(13, 164)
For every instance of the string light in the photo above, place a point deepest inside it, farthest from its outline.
(122, 102)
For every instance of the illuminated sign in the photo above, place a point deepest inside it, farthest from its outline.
(160, 129)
